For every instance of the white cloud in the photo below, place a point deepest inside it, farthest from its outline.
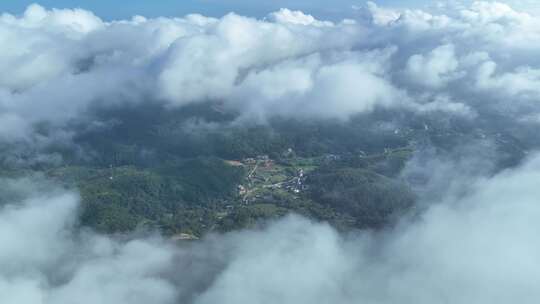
(42, 260)
(381, 16)
(297, 17)
(522, 83)
(434, 69)
(61, 62)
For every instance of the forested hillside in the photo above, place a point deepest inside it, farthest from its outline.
(195, 170)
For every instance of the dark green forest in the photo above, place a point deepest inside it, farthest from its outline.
(196, 169)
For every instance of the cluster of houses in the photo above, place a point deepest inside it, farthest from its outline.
(295, 185)
(262, 160)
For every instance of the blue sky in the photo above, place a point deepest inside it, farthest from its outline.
(118, 9)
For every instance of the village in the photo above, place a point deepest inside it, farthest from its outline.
(265, 175)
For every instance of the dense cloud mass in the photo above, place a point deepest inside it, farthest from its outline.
(462, 60)
(474, 246)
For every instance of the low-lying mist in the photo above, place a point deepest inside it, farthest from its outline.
(475, 245)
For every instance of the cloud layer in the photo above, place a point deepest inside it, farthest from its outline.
(462, 60)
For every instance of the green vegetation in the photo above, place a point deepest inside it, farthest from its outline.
(370, 198)
(197, 195)
(194, 170)
(123, 198)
